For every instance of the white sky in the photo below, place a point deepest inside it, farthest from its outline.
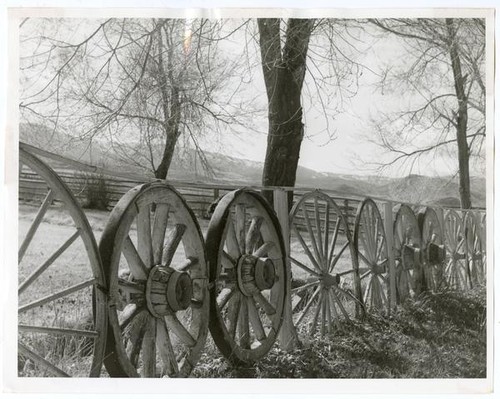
(350, 152)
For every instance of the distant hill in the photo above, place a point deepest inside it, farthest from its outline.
(186, 165)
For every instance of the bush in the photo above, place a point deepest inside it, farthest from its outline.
(93, 191)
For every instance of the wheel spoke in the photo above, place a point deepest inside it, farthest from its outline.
(243, 325)
(144, 244)
(224, 296)
(172, 243)
(363, 258)
(337, 257)
(323, 314)
(232, 315)
(318, 230)
(240, 226)
(264, 304)
(227, 261)
(188, 264)
(134, 261)
(264, 249)
(253, 233)
(136, 337)
(232, 241)
(40, 360)
(129, 313)
(304, 267)
(178, 329)
(332, 309)
(339, 303)
(149, 349)
(35, 224)
(257, 326)
(57, 295)
(58, 331)
(333, 242)
(130, 287)
(311, 236)
(329, 309)
(306, 249)
(164, 345)
(316, 313)
(308, 305)
(33, 276)
(305, 286)
(159, 228)
(326, 253)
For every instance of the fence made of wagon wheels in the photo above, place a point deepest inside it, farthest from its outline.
(261, 273)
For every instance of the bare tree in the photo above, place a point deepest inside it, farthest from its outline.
(146, 81)
(316, 54)
(443, 72)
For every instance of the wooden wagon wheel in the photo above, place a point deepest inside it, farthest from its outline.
(474, 249)
(246, 254)
(372, 256)
(454, 238)
(407, 253)
(433, 249)
(158, 305)
(325, 283)
(62, 310)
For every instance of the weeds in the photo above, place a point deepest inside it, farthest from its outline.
(438, 335)
(93, 191)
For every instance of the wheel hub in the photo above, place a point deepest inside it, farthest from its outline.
(167, 291)
(327, 280)
(436, 253)
(410, 257)
(255, 274)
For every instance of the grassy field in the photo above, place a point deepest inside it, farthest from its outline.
(434, 336)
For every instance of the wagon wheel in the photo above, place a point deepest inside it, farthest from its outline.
(325, 284)
(158, 308)
(454, 239)
(474, 249)
(372, 256)
(62, 301)
(246, 254)
(483, 240)
(433, 249)
(407, 245)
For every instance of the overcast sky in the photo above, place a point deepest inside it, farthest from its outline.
(350, 151)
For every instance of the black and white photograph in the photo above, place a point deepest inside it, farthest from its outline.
(258, 195)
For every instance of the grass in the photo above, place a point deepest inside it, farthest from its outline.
(438, 335)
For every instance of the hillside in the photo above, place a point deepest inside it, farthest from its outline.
(225, 169)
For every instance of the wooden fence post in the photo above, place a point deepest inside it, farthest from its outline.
(389, 234)
(287, 335)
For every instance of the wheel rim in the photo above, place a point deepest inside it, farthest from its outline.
(247, 258)
(158, 287)
(325, 284)
(407, 253)
(456, 273)
(371, 256)
(434, 253)
(62, 320)
(474, 249)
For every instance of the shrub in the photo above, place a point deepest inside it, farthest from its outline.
(93, 191)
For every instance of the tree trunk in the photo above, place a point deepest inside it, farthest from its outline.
(171, 114)
(283, 75)
(461, 126)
